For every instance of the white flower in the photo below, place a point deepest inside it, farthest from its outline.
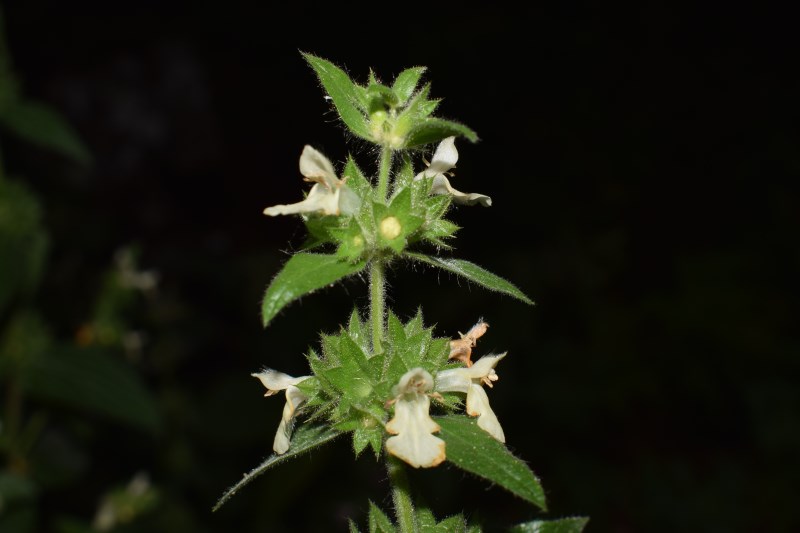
(470, 380)
(444, 159)
(412, 425)
(329, 195)
(275, 382)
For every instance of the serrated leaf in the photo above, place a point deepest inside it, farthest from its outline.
(563, 525)
(357, 330)
(433, 130)
(94, 382)
(378, 521)
(395, 330)
(403, 178)
(303, 274)
(43, 126)
(414, 325)
(437, 205)
(472, 449)
(356, 179)
(304, 439)
(367, 436)
(354, 377)
(426, 520)
(452, 524)
(416, 107)
(474, 273)
(439, 229)
(406, 82)
(343, 92)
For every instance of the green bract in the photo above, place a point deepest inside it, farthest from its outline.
(392, 386)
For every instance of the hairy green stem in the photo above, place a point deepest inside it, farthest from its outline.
(376, 303)
(401, 495)
(383, 173)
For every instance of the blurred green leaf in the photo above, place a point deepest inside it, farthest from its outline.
(563, 525)
(302, 274)
(305, 438)
(73, 525)
(343, 92)
(23, 241)
(378, 521)
(406, 82)
(17, 508)
(432, 130)
(474, 273)
(15, 488)
(92, 381)
(43, 126)
(472, 449)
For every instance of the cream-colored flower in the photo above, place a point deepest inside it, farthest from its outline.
(444, 159)
(412, 425)
(275, 382)
(329, 195)
(470, 380)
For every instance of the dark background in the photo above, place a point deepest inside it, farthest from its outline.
(635, 162)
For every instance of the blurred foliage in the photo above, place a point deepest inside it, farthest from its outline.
(45, 376)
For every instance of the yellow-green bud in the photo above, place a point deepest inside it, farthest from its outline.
(390, 228)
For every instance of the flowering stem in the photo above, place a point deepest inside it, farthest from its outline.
(383, 173)
(376, 296)
(403, 506)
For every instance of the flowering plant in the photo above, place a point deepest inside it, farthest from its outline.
(391, 385)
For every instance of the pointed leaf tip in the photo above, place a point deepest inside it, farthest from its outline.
(302, 274)
(474, 273)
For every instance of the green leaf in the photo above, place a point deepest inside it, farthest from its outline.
(343, 92)
(378, 521)
(92, 381)
(302, 274)
(452, 524)
(15, 488)
(380, 98)
(474, 273)
(352, 527)
(472, 449)
(433, 130)
(426, 520)
(563, 525)
(41, 125)
(23, 241)
(305, 438)
(355, 179)
(406, 82)
(368, 436)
